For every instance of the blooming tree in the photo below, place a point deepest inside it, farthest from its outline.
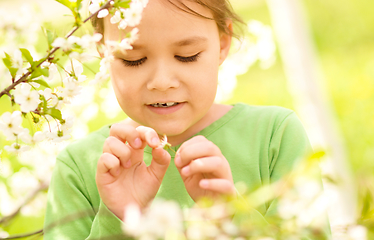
(38, 90)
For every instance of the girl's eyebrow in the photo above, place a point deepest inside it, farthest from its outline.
(184, 42)
(191, 41)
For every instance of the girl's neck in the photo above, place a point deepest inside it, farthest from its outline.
(214, 113)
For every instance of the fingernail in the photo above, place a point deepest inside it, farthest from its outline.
(204, 183)
(137, 142)
(186, 170)
(155, 141)
(178, 161)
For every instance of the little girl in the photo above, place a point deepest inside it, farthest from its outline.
(166, 85)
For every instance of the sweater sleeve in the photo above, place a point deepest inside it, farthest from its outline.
(289, 145)
(70, 212)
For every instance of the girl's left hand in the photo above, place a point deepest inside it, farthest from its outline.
(204, 170)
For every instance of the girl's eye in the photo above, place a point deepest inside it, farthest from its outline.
(135, 63)
(188, 59)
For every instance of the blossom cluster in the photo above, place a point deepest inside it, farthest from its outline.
(34, 87)
(256, 46)
(301, 213)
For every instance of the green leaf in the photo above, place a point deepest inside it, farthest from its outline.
(42, 82)
(51, 36)
(55, 113)
(45, 72)
(124, 4)
(8, 63)
(7, 60)
(66, 3)
(36, 73)
(79, 4)
(27, 55)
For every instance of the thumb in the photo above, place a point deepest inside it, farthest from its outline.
(160, 162)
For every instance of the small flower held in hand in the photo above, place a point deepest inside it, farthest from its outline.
(164, 143)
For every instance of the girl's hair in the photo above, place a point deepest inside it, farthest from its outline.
(221, 10)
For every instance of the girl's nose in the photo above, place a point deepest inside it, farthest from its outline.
(162, 78)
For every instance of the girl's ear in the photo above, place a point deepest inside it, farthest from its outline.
(225, 42)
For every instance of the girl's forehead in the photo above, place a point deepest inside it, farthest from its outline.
(163, 20)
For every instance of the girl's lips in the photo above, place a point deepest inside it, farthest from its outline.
(166, 110)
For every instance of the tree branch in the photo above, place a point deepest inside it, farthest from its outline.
(28, 199)
(23, 235)
(24, 77)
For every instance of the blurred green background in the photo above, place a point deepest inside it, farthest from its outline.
(343, 32)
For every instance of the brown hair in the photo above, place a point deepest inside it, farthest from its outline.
(221, 10)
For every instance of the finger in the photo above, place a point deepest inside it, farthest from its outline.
(160, 163)
(119, 149)
(199, 148)
(222, 186)
(127, 133)
(215, 165)
(149, 136)
(108, 163)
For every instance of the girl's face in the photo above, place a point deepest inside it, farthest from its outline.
(168, 81)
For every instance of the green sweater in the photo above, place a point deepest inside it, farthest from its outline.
(261, 145)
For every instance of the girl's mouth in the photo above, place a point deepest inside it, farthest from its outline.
(164, 105)
(165, 108)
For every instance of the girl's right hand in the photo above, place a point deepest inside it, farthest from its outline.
(122, 177)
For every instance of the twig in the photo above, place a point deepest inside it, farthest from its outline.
(24, 77)
(28, 199)
(23, 235)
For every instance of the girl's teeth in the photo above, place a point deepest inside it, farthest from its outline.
(168, 104)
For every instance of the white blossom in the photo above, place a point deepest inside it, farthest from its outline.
(143, 2)
(96, 5)
(133, 15)
(17, 61)
(6, 168)
(36, 138)
(103, 13)
(52, 68)
(16, 148)
(132, 220)
(56, 102)
(161, 218)
(23, 182)
(7, 204)
(357, 232)
(10, 124)
(62, 43)
(133, 35)
(202, 230)
(46, 93)
(3, 234)
(122, 24)
(59, 135)
(125, 44)
(69, 122)
(76, 68)
(100, 77)
(97, 37)
(70, 90)
(36, 207)
(116, 17)
(229, 228)
(27, 98)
